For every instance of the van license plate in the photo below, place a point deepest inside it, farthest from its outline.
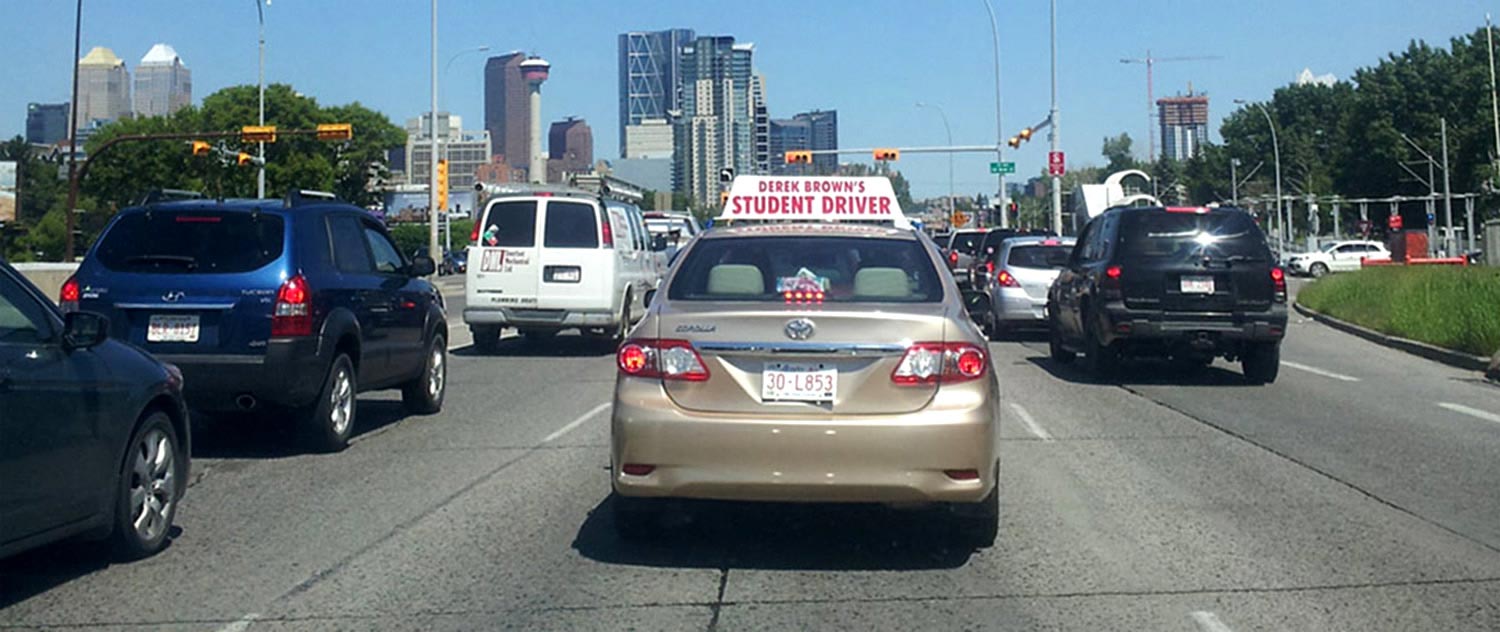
(798, 382)
(1197, 285)
(172, 328)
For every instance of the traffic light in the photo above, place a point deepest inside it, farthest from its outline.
(258, 134)
(243, 159)
(1014, 209)
(442, 184)
(1014, 142)
(1020, 137)
(887, 154)
(723, 198)
(201, 148)
(335, 131)
(1026, 134)
(799, 157)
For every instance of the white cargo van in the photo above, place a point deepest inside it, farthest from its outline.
(548, 259)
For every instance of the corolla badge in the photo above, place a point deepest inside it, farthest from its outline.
(799, 329)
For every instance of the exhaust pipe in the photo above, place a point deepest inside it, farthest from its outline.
(245, 402)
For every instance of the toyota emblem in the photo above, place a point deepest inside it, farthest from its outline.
(799, 329)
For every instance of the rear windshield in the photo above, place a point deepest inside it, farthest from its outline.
(967, 243)
(1219, 235)
(842, 269)
(663, 226)
(510, 224)
(192, 242)
(1039, 256)
(571, 225)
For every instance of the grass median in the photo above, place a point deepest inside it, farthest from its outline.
(1452, 307)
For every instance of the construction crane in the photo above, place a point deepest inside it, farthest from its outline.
(1150, 63)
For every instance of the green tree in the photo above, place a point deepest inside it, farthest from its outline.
(1117, 152)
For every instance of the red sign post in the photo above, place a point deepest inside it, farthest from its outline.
(1055, 163)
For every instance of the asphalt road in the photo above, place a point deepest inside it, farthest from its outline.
(1360, 492)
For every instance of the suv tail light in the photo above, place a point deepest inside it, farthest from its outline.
(1110, 284)
(938, 362)
(1278, 279)
(1006, 280)
(989, 267)
(293, 311)
(67, 299)
(952, 258)
(665, 359)
(609, 230)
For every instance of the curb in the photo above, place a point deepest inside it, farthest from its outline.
(1449, 357)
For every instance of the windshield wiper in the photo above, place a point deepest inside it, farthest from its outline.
(185, 261)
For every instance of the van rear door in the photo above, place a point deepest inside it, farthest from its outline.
(503, 269)
(577, 258)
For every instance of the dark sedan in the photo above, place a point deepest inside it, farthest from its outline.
(94, 435)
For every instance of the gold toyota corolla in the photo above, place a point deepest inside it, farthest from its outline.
(807, 363)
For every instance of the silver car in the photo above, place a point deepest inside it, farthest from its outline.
(1024, 268)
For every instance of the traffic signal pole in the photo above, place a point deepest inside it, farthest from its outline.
(1052, 134)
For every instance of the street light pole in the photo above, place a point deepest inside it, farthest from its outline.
(999, 127)
(432, 156)
(69, 220)
(1285, 222)
(260, 176)
(949, 130)
(1052, 132)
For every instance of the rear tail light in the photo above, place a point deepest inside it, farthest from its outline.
(67, 299)
(1006, 280)
(474, 234)
(1278, 279)
(665, 359)
(293, 311)
(952, 258)
(938, 362)
(1113, 272)
(803, 298)
(962, 475)
(1110, 284)
(609, 231)
(637, 469)
(989, 267)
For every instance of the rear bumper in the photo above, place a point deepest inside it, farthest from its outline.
(1205, 328)
(845, 459)
(532, 317)
(1013, 305)
(290, 373)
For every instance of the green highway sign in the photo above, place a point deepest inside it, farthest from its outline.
(1002, 167)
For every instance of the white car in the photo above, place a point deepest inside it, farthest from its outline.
(546, 259)
(1339, 256)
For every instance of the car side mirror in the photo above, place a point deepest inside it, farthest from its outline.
(659, 243)
(648, 297)
(422, 265)
(84, 330)
(977, 304)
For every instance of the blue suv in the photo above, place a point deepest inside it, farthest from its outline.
(296, 305)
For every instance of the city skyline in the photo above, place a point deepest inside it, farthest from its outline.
(874, 100)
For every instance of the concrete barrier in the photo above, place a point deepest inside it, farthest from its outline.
(48, 277)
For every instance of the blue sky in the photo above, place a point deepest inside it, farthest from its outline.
(870, 60)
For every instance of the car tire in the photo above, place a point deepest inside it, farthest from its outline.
(328, 423)
(1262, 362)
(1317, 270)
(424, 395)
(1060, 353)
(1103, 360)
(636, 519)
(978, 525)
(998, 330)
(151, 482)
(486, 338)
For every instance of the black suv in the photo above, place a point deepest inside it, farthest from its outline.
(297, 304)
(1187, 283)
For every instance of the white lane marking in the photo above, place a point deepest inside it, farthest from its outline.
(576, 422)
(242, 624)
(1031, 424)
(1317, 371)
(1472, 412)
(1209, 622)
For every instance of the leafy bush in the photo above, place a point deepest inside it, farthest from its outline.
(1452, 307)
(410, 237)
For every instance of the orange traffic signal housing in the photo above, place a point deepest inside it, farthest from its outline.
(887, 154)
(799, 157)
(244, 159)
(258, 134)
(335, 131)
(201, 148)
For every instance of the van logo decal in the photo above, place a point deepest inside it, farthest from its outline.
(799, 329)
(173, 297)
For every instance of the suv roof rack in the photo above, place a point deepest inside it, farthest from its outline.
(170, 195)
(299, 197)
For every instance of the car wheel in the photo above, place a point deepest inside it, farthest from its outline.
(636, 519)
(979, 524)
(1318, 270)
(997, 328)
(1262, 362)
(1060, 354)
(329, 423)
(424, 395)
(149, 488)
(1102, 359)
(486, 339)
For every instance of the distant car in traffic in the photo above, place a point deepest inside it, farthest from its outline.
(678, 227)
(455, 262)
(1339, 256)
(1023, 270)
(1191, 283)
(553, 258)
(94, 434)
(807, 363)
(962, 247)
(982, 266)
(297, 304)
